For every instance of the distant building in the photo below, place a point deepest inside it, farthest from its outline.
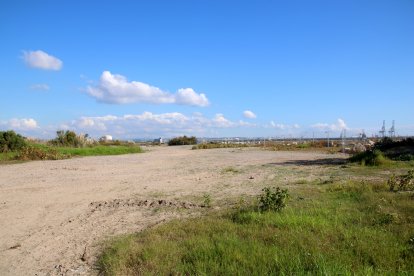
(158, 141)
(106, 138)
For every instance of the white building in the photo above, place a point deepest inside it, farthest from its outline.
(105, 138)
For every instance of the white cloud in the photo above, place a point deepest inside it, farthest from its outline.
(337, 126)
(283, 126)
(41, 60)
(274, 125)
(40, 87)
(20, 124)
(246, 124)
(249, 114)
(220, 121)
(341, 124)
(116, 89)
(187, 96)
(148, 124)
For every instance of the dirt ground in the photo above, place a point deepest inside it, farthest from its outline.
(55, 215)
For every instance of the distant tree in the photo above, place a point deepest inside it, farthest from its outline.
(11, 141)
(183, 140)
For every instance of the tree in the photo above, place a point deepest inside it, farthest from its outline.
(11, 141)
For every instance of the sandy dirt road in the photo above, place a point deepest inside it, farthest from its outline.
(54, 215)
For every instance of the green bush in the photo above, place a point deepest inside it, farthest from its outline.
(273, 199)
(11, 141)
(370, 158)
(183, 140)
(67, 138)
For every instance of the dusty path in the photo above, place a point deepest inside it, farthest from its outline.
(54, 215)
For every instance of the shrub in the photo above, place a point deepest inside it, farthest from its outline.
(273, 199)
(207, 200)
(67, 138)
(402, 150)
(34, 153)
(403, 182)
(370, 158)
(387, 143)
(11, 141)
(183, 140)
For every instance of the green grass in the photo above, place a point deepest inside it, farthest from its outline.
(7, 157)
(351, 228)
(99, 150)
(67, 152)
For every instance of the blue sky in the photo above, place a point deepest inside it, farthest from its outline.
(206, 68)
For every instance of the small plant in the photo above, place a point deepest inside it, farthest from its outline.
(403, 182)
(273, 199)
(207, 200)
(230, 170)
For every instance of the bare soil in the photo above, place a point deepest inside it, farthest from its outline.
(55, 215)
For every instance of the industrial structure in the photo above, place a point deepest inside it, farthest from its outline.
(391, 132)
(382, 132)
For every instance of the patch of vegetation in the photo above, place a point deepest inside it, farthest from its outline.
(7, 157)
(230, 170)
(401, 150)
(404, 182)
(99, 150)
(11, 141)
(20, 150)
(214, 145)
(37, 153)
(207, 200)
(294, 146)
(182, 140)
(370, 158)
(346, 230)
(67, 138)
(384, 151)
(273, 199)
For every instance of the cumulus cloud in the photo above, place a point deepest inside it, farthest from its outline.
(148, 124)
(283, 126)
(20, 124)
(41, 60)
(221, 121)
(187, 96)
(246, 124)
(40, 87)
(116, 89)
(337, 126)
(249, 114)
(279, 126)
